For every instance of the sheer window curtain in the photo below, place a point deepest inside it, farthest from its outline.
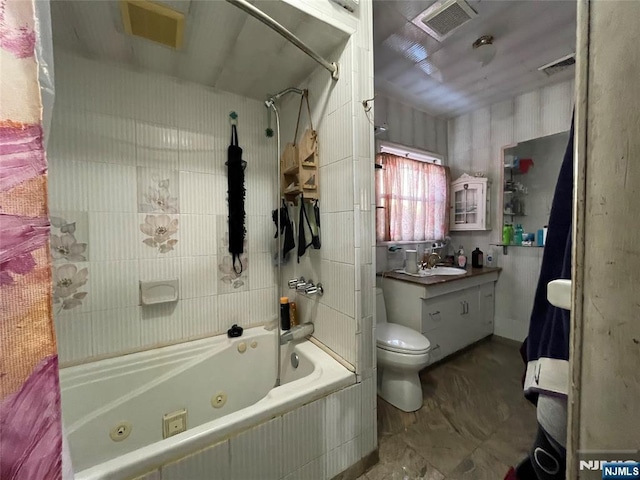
(415, 200)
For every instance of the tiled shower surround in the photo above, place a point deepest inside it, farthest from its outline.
(137, 172)
(138, 192)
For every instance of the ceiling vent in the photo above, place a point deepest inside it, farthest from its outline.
(444, 17)
(153, 21)
(558, 65)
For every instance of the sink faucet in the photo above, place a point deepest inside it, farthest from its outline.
(296, 333)
(431, 261)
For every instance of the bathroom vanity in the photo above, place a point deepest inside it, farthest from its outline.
(451, 311)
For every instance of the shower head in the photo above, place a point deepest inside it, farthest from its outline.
(270, 101)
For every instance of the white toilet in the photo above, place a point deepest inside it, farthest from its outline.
(402, 353)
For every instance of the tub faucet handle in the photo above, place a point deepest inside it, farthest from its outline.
(294, 283)
(312, 289)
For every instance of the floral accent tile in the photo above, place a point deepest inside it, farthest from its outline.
(159, 230)
(157, 191)
(229, 279)
(229, 276)
(69, 237)
(67, 282)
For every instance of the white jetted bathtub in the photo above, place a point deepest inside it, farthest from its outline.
(113, 409)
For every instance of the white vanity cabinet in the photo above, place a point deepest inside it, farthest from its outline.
(452, 315)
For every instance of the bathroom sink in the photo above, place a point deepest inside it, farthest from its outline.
(446, 271)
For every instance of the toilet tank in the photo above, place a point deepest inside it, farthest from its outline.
(381, 310)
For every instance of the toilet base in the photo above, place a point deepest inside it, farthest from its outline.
(402, 389)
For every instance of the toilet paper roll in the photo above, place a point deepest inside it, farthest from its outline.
(411, 264)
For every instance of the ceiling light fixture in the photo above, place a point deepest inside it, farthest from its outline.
(484, 49)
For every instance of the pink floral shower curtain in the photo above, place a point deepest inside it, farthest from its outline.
(30, 423)
(414, 197)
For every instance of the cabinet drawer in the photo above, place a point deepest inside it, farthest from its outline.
(447, 310)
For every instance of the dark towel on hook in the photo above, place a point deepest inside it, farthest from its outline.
(286, 228)
(236, 194)
(302, 238)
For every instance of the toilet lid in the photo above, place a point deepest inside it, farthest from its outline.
(401, 339)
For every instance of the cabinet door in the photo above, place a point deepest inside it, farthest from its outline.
(441, 312)
(469, 205)
(487, 308)
(450, 322)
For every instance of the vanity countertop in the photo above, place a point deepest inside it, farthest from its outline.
(439, 279)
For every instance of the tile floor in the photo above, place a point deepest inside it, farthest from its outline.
(473, 425)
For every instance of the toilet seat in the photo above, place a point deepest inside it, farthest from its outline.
(400, 339)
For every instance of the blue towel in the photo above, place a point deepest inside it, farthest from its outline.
(547, 345)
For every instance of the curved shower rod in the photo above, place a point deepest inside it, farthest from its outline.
(277, 27)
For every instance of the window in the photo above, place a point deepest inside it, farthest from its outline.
(412, 199)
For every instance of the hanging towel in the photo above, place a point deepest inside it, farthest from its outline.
(286, 230)
(236, 193)
(303, 223)
(546, 348)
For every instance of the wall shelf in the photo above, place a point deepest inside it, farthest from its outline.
(506, 246)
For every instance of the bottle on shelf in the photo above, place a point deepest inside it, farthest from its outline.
(517, 237)
(506, 234)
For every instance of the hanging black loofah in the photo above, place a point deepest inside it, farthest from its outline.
(236, 194)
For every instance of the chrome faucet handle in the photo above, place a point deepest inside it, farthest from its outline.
(314, 289)
(302, 284)
(293, 283)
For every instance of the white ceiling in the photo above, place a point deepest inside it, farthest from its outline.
(223, 46)
(445, 78)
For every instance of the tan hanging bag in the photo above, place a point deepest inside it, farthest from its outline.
(290, 154)
(308, 146)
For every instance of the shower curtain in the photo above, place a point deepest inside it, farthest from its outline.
(30, 419)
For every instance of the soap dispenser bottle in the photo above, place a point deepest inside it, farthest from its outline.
(462, 259)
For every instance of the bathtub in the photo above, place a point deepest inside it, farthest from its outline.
(226, 385)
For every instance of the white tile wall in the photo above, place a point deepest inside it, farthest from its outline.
(74, 336)
(534, 114)
(199, 317)
(212, 462)
(340, 458)
(115, 133)
(112, 187)
(343, 417)
(154, 475)
(409, 126)
(197, 278)
(257, 453)
(116, 330)
(314, 470)
(304, 432)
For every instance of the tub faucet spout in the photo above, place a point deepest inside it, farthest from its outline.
(296, 333)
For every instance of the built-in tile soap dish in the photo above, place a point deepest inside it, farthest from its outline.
(162, 291)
